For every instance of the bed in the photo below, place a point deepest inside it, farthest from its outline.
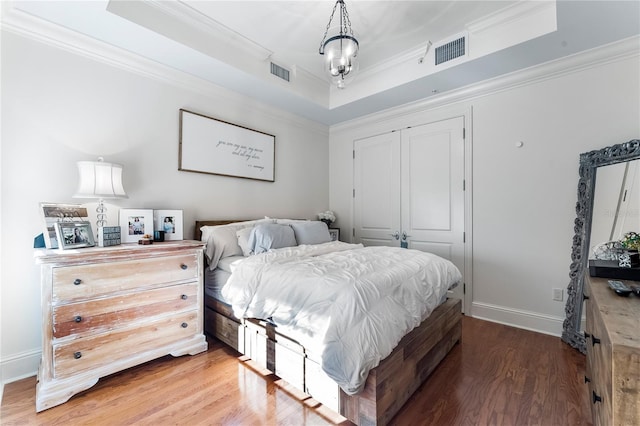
(372, 398)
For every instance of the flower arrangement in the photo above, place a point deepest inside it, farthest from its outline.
(327, 217)
(631, 241)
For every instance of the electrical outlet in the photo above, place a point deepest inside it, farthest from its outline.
(558, 294)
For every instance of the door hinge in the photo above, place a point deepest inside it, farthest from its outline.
(354, 232)
(354, 193)
(464, 237)
(464, 184)
(354, 154)
(464, 133)
(464, 288)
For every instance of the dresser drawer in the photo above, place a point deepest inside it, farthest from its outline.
(100, 350)
(105, 314)
(73, 283)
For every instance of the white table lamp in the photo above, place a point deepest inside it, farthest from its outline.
(100, 180)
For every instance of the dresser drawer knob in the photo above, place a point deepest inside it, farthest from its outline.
(596, 398)
(184, 297)
(184, 325)
(594, 340)
(587, 380)
(586, 335)
(77, 355)
(77, 318)
(77, 281)
(585, 297)
(184, 267)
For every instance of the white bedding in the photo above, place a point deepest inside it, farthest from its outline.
(348, 304)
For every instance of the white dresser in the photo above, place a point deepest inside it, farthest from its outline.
(108, 309)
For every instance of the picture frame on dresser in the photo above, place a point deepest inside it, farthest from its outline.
(135, 223)
(71, 235)
(335, 234)
(53, 213)
(169, 221)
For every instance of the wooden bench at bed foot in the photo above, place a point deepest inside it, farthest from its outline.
(388, 386)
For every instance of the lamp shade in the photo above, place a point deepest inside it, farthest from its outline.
(100, 180)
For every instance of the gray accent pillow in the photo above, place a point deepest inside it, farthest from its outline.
(265, 237)
(311, 232)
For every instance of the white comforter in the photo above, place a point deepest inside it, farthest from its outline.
(347, 303)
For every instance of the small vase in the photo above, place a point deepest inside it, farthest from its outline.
(327, 221)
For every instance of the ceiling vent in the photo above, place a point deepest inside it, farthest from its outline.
(279, 72)
(451, 50)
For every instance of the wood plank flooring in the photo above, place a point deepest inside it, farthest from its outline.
(499, 375)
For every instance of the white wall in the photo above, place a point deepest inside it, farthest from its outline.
(523, 198)
(59, 107)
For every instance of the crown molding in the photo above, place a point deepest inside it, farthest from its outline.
(614, 52)
(30, 27)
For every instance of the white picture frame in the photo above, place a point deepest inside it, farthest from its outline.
(135, 224)
(169, 221)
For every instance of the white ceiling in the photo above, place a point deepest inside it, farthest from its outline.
(232, 43)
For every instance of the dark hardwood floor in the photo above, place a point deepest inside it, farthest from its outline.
(498, 375)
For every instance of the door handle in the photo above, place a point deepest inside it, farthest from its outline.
(396, 235)
(405, 236)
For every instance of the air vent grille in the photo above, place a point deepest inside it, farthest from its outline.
(280, 72)
(452, 50)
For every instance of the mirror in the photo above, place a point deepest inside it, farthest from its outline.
(589, 167)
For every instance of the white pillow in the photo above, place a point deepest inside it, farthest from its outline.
(243, 240)
(222, 241)
(265, 236)
(311, 232)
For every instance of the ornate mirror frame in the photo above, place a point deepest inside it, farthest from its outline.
(589, 163)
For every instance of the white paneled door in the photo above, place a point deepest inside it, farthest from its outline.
(409, 190)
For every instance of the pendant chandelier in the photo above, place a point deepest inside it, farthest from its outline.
(340, 49)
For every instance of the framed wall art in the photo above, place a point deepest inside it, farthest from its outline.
(72, 235)
(209, 145)
(169, 221)
(135, 224)
(53, 213)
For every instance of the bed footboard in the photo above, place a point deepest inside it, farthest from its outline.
(388, 386)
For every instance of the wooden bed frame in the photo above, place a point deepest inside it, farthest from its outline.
(388, 386)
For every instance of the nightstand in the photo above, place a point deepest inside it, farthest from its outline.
(105, 309)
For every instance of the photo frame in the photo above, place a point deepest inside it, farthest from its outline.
(212, 146)
(72, 235)
(169, 221)
(335, 234)
(53, 213)
(135, 224)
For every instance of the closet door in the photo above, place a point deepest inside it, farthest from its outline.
(432, 200)
(408, 190)
(377, 190)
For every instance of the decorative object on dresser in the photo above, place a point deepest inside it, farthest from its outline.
(53, 213)
(135, 223)
(613, 354)
(170, 222)
(587, 225)
(74, 235)
(100, 180)
(335, 234)
(109, 236)
(108, 309)
(212, 146)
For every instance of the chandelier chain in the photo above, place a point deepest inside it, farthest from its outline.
(326, 31)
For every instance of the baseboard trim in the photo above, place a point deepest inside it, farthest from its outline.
(533, 321)
(20, 366)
